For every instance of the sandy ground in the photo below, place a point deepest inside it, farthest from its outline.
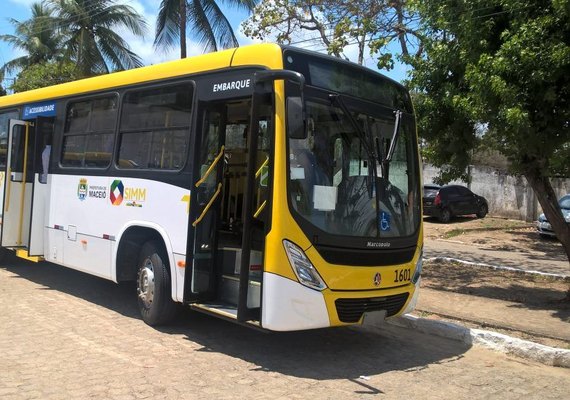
(495, 234)
(540, 295)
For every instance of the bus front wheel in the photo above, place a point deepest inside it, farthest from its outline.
(153, 285)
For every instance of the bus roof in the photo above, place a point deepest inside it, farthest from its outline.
(268, 55)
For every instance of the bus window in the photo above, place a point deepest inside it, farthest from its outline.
(89, 133)
(5, 118)
(154, 128)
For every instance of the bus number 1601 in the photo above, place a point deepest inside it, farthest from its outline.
(402, 275)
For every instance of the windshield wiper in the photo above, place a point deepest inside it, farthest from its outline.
(395, 136)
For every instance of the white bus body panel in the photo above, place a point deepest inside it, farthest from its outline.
(84, 226)
(39, 211)
(290, 306)
(12, 234)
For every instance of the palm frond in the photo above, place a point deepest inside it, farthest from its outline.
(201, 28)
(167, 24)
(114, 48)
(222, 28)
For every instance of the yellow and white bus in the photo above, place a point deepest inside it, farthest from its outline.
(267, 185)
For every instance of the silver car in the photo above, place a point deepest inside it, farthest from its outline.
(544, 227)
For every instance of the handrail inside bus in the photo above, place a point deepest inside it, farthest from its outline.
(260, 209)
(211, 168)
(260, 168)
(218, 190)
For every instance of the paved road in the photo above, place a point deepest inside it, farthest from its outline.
(64, 334)
(480, 254)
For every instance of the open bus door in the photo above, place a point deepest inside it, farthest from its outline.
(25, 188)
(231, 188)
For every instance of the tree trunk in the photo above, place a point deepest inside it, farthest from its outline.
(549, 203)
(183, 28)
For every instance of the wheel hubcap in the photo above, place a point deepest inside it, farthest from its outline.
(145, 283)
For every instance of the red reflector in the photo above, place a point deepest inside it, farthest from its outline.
(437, 200)
(255, 267)
(106, 236)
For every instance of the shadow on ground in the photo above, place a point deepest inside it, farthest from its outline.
(347, 353)
(530, 292)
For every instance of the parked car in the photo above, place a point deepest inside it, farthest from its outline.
(544, 227)
(445, 202)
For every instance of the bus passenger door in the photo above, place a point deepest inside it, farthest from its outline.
(205, 204)
(18, 185)
(228, 208)
(25, 189)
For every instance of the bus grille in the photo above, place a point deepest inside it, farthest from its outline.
(351, 310)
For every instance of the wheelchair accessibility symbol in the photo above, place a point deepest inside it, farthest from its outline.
(384, 221)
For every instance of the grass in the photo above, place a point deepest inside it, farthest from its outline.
(453, 233)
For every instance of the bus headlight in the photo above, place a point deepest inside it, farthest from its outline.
(419, 266)
(302, 266)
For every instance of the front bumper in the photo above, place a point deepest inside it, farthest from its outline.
(288, 305)
(544, 228)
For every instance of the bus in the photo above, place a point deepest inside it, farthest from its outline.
(267, 185)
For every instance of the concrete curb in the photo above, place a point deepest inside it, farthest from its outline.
(512, 269)
(496, 341)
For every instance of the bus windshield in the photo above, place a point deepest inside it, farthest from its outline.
(340, 181)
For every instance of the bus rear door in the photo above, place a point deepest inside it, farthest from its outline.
(25, 189)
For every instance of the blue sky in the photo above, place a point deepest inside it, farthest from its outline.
(20, 10)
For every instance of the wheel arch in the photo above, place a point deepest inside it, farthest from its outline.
(129, 244)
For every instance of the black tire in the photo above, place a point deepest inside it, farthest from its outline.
(483, 210)
(153, 285)
(444, 215)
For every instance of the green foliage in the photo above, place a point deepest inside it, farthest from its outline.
(90, 36)
(370, 25)
(37, 37)
(45, 74)
(80, 31)
(504, 64)
(208, 24)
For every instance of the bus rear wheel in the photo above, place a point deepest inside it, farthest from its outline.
(153, 285)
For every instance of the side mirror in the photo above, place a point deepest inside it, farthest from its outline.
(296, 122)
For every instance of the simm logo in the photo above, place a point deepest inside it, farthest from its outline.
(117, 191)
(131, 196)
(135, 196)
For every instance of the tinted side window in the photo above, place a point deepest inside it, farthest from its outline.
(5, 118)
(154, 128)
(463, 191)
(449, 192)
(89, 132)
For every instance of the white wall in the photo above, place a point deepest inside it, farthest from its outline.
(508, 196)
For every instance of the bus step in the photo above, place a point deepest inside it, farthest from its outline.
(229, 291)
(22, 253)
(220, 309)
(224, 310)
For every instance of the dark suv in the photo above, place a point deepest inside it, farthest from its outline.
(444, 202)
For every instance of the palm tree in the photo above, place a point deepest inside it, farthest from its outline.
(91, 38)
(208, 23)
(37, 37)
